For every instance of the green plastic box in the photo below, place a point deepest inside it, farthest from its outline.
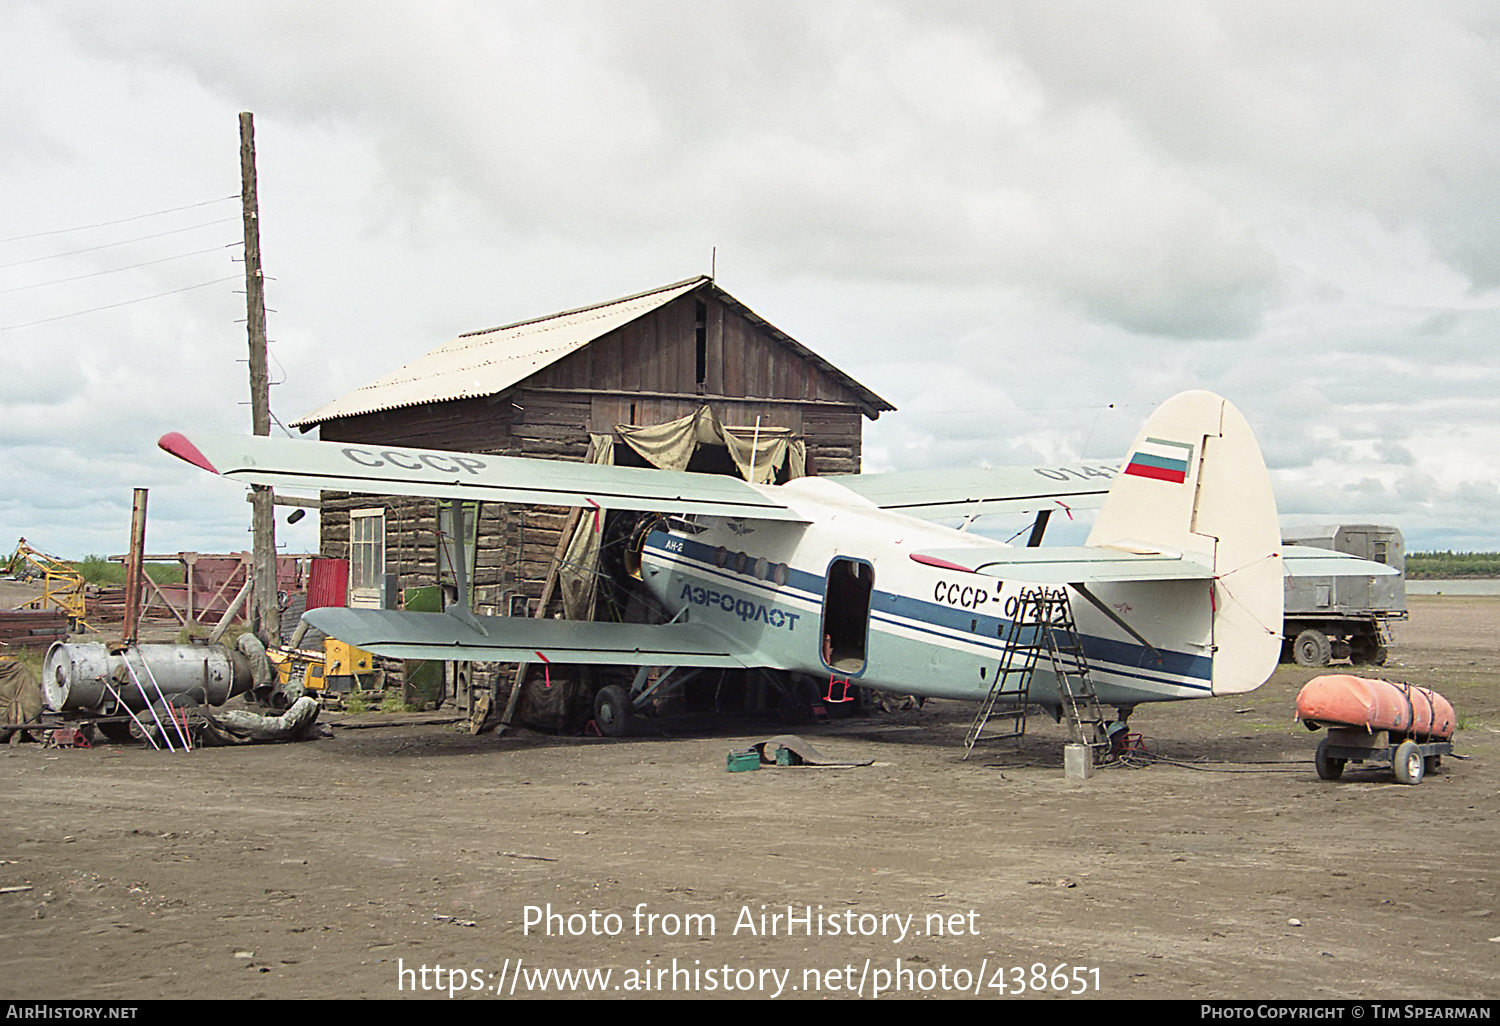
(741, 761)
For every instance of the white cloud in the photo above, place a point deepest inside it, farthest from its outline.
(1060, 206)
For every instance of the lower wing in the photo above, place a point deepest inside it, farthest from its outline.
(402, 635)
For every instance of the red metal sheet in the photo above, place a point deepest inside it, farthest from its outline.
(328, 583)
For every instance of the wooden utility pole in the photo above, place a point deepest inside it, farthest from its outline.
(267, 616)
(135, 569)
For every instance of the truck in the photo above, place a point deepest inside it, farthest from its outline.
(1327, 618)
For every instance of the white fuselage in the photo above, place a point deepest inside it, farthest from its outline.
(841, 595)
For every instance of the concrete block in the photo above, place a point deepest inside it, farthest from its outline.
(1078, 762)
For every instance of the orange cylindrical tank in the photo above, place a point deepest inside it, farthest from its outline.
(1342, 699)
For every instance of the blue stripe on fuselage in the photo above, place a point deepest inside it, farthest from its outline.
(948, 623)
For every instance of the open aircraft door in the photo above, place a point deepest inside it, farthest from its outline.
(846, 615)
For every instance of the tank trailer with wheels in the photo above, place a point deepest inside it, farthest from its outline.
(1382, 722)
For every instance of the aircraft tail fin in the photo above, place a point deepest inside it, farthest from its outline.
(1195, 485)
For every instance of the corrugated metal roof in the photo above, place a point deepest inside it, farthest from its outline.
(485, 363)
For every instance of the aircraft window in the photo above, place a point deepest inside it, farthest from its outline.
(721, 556)
(739, 562)
(760, 568)
(780, 573)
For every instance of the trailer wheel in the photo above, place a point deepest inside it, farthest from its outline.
(1366, 650)
(612, 711)
(1409, 764)
(1328, 767)
(1312, 649)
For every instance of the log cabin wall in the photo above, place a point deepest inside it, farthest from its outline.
(645, 372)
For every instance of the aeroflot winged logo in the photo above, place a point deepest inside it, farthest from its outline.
(1161, 460)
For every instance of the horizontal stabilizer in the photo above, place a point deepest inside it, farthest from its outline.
(934, 494)
(402, 635)
(392, 470)
(1070, 564)
(1306, 561)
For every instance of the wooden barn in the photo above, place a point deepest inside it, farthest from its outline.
(625, 381)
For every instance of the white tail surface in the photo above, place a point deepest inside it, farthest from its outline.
(1195, 483)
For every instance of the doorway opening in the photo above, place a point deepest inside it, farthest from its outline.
(846, 614)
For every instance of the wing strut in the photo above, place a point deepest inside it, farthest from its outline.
(1038, 528)
(454, 534)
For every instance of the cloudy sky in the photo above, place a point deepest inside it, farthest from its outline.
(1024, 224)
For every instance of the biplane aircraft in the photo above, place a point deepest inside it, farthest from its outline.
(847, 577)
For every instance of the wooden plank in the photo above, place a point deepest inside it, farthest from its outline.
(544, 448)
(734, 356)
(566, 432)
(714, 379)
(655, 373)
(552, 409)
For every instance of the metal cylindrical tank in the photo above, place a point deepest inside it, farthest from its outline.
(80, 676)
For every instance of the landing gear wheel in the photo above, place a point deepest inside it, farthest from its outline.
(797, 697)
(1311, 648)
(612, 711)
(1328, 767)
(1409, 765)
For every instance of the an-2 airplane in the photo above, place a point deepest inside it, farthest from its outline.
(1181, 574)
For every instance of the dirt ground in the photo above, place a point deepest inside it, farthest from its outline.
(325, 869)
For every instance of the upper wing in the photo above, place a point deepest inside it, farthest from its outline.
(1306, 561)
(402, 635)
(392, 470)
(1067, 564)
(930, 494)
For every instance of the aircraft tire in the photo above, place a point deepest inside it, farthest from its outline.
(1409, 765)
(612, 711)
(1328, 768)
(1312, 649)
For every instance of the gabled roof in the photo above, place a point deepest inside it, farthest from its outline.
(485, 363)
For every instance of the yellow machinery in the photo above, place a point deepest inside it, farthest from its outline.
(62, 586)
(338, 669)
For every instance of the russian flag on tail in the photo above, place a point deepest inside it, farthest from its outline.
(1161, 460)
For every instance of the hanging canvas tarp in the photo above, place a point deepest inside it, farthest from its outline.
(759, 454)
(579, 572)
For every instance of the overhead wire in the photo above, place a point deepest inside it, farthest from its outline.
(128, 302)
(116, 270)
(123, 220)
(122, 242)
(131, 267)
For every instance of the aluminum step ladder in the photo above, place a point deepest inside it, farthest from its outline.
(1080, 705)
(1012, 684)
(1043, 626)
